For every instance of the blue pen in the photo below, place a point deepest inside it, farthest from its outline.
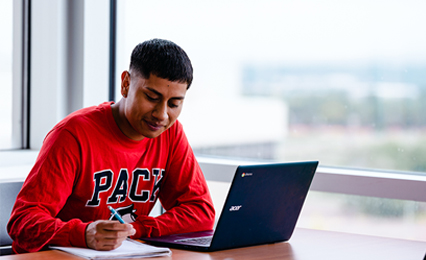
(116, 215)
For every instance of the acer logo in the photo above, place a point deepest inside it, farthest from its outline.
(235, 208)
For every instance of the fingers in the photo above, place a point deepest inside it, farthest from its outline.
(104, 244)
(107, 235)
(109, 225)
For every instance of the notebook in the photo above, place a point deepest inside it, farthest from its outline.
(129, 249)
(262, 207)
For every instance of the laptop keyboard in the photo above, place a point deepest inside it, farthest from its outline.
(196, 240)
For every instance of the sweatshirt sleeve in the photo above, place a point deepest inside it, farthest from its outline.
(33, 224)
(183, 193)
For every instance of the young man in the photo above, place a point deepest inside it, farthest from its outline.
(125, 155)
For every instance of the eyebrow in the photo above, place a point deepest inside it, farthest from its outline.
(159, 94)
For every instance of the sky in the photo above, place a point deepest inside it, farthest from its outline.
(292, 30)
(221, 36)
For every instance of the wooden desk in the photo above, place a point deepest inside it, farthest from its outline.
(305, 244)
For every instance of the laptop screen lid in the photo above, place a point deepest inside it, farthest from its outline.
(262, 206)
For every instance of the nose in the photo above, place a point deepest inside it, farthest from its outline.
(160, 111)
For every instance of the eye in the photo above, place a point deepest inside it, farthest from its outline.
(150, 98)
(173, 105)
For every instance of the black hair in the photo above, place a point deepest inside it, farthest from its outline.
(162, 58)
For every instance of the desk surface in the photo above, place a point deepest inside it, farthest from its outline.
(305, 244)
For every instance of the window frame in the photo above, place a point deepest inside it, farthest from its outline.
(20, 76)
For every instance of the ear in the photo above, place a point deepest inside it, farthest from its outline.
(125, 83)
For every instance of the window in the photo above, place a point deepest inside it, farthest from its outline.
(339, 82)
(401, 219)
(6, 30)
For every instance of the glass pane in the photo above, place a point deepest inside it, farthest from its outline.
(6, 27)
(339, 82)
(364, 215)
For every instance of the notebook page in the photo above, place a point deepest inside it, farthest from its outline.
(129, 249)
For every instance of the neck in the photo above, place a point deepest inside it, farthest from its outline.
(120, 119)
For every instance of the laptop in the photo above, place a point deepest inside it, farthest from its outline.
(262, 207)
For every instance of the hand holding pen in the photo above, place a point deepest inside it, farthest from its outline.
(108, 234)
(116, 215)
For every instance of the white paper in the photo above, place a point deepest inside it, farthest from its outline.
(129, 249)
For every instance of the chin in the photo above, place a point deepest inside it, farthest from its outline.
(152, 134)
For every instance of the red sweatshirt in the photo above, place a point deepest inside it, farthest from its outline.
(86, 163)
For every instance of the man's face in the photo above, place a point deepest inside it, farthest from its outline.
(151, 105)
